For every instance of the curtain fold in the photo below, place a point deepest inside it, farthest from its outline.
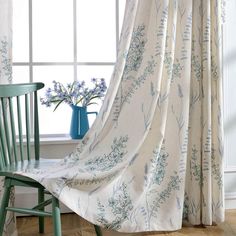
(204, 198)
(154, 156)
(5, 78)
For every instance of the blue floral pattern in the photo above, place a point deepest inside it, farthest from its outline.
(162, 196)
(6, 61)
(155, 152)
(158, 166)
(136, 50)
(120, 204)
(107, 161)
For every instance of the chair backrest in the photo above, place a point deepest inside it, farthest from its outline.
(18, 113)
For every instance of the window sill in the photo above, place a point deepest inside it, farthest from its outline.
(58, 140)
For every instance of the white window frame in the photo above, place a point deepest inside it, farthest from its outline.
(31, 64)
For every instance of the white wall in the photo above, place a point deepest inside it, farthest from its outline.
(229, 56)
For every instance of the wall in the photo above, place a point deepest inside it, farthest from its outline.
(229, 72)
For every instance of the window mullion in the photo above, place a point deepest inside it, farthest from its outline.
(75, 37)
(64, 64)
(74, 62)
(31, 61)
(117, 25)
(30, 41)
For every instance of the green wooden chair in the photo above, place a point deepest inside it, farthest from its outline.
(20, 148)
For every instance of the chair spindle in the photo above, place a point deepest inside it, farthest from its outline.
(36, 127)
(6, 129)
(27, 123)
(20, 128)
(13, 129)
(2, 137)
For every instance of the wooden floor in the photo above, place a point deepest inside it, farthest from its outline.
(73, 225)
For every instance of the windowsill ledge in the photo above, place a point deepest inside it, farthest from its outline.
(58, 140)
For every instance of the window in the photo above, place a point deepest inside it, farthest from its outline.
(64, 40)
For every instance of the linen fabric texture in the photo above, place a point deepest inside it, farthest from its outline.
(154, 155)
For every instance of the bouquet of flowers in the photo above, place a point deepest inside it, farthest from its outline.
(75, 93)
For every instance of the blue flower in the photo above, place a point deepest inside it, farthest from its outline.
(75, 93)
(94, 80)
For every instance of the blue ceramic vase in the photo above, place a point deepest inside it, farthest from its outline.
(79, 122)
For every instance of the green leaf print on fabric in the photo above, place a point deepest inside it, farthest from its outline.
(186, 206)
(5, 60)
(168, 60)
(216, 169)
(158, 164)
(107, 161)
(195, 167)
(151, 142)
(133, 63)
(119, 204)
(176, 71)
(136, 83)
(161, 196)
(191, 207)
(196, 67)
(136, 50)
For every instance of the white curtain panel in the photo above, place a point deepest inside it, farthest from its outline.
(154, 156)
(5, 78)
(5, 41)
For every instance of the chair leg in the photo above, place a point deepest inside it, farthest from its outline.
(98, 230)
(41, 218)
(56, 214)
(4, 204)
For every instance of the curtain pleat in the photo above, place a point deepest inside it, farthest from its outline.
(154, 156)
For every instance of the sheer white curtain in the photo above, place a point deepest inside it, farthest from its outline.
(154, 155)
(6, 77)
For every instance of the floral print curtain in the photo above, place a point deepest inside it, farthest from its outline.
(5, 78)
(154, 156)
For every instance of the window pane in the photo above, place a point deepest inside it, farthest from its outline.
(57, 122)
(86, 73)
(229, 58)
(21, 31)
(20, 74)
(121, 13)
(96, 35)
(53, 30)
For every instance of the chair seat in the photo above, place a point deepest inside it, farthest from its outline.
(20, 139)
(25, 166)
